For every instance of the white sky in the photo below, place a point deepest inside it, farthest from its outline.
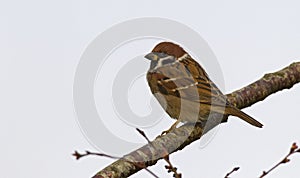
(41, 44)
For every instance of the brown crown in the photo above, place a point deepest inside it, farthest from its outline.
(170, 49)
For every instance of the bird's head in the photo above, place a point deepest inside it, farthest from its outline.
(165, 53)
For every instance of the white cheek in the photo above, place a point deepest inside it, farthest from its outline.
(159, 64)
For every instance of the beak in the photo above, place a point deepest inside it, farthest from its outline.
(152, 56)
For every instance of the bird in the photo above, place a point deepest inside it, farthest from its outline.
(184, 89)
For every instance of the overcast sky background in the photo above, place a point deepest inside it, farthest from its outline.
(41, 44)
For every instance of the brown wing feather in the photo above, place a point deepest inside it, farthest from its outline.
(203, 91)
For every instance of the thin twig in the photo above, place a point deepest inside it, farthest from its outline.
(294, 149)
(169, 167)
(144, 135)
(232, 171)
(87, 153)
(78, 156)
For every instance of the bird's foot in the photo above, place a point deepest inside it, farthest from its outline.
(170, 129)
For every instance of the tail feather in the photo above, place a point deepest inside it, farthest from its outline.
(236, 112)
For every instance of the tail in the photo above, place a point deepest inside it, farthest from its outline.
(236, 112)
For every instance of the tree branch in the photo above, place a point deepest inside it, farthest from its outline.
(232, 171)
(180, 137)
(294, 149)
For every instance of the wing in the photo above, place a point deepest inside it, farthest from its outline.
(187, 80)
(192, 89)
